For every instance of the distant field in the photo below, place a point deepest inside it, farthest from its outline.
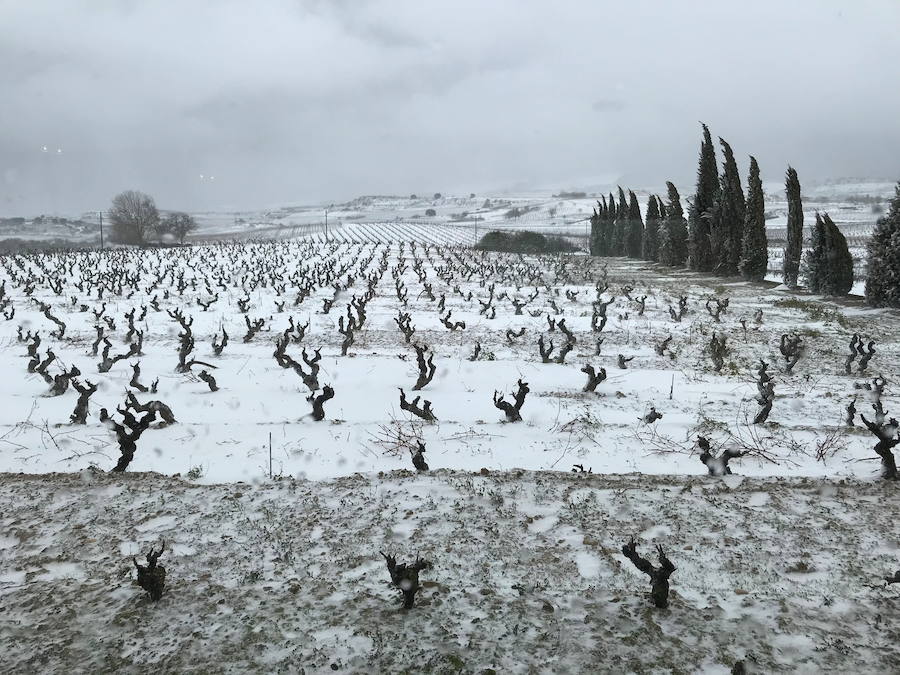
(452, 220)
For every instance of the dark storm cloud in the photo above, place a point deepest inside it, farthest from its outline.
(290, 100)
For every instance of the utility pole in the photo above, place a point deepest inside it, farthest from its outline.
(101, 228)
(326, 226)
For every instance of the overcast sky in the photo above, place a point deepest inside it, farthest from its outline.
(293, 101)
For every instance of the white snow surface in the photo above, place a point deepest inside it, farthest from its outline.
(779, 566)
(224, 435)
(287, 576)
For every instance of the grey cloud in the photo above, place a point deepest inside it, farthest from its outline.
(603, 105)
(291, 100)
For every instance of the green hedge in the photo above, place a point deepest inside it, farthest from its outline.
(524, 241)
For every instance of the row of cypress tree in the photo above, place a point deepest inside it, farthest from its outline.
(617, 228)
(725, 232)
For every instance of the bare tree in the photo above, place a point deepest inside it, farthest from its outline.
(594, 377)
(717, 465)
(851, 357)
(133, 215)
(85, 391)
(682, 309)
(156, 407)
(425, 412)
(885, 430)
(659, 576)
(152, 576)
(177, 224)
(128, 439)
(765, 387)
(209, 379)
(651, 416)
(544, 350)
(721, 306)
(661, 347)
(318, 402)
(135, 378)
(452, 325)
(512, 411)
(717, 351)
(404, 323)
(570, 336)
(622, 361)
(791, 348)
(426, 367)
(866, 352)
(851, 413)
(406, 577)
(61, 381)
(219, 346)
(418, 458)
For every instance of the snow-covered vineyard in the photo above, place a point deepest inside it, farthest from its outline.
(395, 232)
(292, 386)
(360, 312)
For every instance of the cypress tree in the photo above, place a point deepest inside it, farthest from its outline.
(812, 264)
(603, 243)
(673, 233)
(662, 207)
(794, 244)
(595, 243)
(635, 227)
(601, 217)
(718, 235)
(610, 225)
(883, 255)
(840, 261)
(620, 235)
(728, 224)
(828, 267)
(755, 251)
(703, 207)
(673, 208)
(650, 242)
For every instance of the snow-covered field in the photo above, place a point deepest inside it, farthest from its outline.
(225, 434)
(527, 576)
(270, 570)
(852, 204)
